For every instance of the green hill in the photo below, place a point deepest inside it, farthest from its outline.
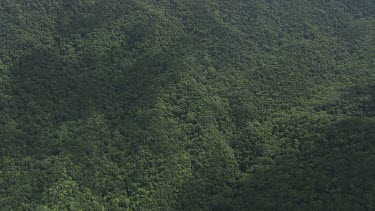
(187, 105)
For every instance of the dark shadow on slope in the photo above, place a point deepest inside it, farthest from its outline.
(43, 86)
(48, 91)
(364, 96)
(45, 81)
(328, 169)
(338, 175)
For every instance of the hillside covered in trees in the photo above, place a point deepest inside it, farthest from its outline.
(187, 105)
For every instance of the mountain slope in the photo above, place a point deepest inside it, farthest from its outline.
(175, 105)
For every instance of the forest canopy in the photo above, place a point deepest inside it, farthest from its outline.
(187, 105)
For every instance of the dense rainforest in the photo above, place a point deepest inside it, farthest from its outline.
(187, 105)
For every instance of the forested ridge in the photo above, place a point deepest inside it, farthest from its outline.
(187, 105)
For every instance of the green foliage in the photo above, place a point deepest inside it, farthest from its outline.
(187, 105)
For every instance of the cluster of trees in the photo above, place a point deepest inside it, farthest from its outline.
(187, 105)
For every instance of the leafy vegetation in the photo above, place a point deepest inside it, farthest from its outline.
(187, 105)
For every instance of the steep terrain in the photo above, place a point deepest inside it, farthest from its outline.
(187, 105)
